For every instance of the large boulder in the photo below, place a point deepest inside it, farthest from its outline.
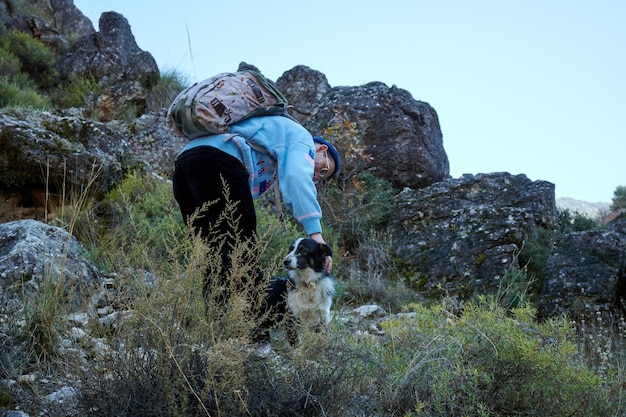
(399, 137)
(304, 88)
(586, 276)
(60, 151)
(35, 254)
(461, 236)
(112, 56)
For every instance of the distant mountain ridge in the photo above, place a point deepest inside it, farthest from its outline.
(593, 210)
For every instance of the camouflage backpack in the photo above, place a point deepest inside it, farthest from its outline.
(211, 106)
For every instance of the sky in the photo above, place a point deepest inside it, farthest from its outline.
(535, 87)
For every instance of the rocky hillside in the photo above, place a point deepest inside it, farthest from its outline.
(380, 129)
(452, 237)
(458, 235)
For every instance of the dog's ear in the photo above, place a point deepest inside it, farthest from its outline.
(325, 250)
(317, 260)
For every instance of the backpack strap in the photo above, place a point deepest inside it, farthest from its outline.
(277, 197)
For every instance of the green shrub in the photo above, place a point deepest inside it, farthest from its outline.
(619, 198)
(37, 60)
(487, 362)
(142, 217)
(533, 257)
(10, 65)
(25, 66)
(17, 95)
(74, 92)
(142, 223)
(574, 222)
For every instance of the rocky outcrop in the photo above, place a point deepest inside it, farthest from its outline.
(461, 236)
(57, 151)
(112, 57)
(53, 22)
(586, 276)
(35, 254)
(399, 136)
(305, 89)
(66, 22)
(458, 236)
(63, 152)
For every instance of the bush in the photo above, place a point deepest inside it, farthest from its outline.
(619, 198)
(140, 223)
(487, 362)
(37, 60)
(74, 92)
(10, 65)
(17, 95)
(534, 256)
(574, 222)
(25, 65)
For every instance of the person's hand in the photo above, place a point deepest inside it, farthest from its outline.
(328, 264)
(328, 261)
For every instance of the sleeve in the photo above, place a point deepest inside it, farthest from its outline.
(295, 178)
(294, 150)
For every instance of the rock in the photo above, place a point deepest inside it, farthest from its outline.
(15, 413)
(586, 275)
(369, 311)
(460, 236)
(304, 89)
(63, 21)
(112, 56)
(57, 150)
(398, 138)
(34, 253)
(154, 143)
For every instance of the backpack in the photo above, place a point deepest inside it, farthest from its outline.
(211, 106)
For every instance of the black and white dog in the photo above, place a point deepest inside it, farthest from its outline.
(306, 296)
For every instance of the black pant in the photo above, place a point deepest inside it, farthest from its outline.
(202, 175)
(206, 175)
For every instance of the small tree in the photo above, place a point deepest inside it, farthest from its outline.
(619, 198)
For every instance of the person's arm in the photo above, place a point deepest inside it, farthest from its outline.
(295, 178)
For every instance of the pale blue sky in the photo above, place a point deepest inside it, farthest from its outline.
(528, 87)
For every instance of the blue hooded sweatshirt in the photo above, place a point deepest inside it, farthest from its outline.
(291, 150)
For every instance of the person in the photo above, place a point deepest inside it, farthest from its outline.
(217, 173)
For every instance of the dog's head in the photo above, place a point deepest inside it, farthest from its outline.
(306, 253)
